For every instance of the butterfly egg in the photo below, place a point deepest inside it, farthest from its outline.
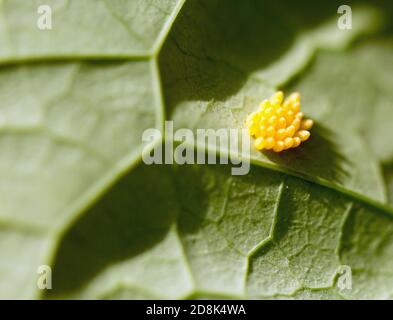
(279, 146)
(299, 115)
(280, 112)
(280, 134)
(287, 105)
(252, 117)
(296, 142)
(281, 123)
(252, 123)
(303, 135)
(296, 124)
(270, 131)
(268, 112)
(263, 120)
(289, 116)
(276, 99)
(295, 107)
(260, 143)
(288, 142)
(307, 124)
(270, 142)
(262, 131)
(264, 105)
(253, 130)
(294, 97)
(278, 124)
(290, 131)
(273, 120)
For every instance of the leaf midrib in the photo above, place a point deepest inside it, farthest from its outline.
(116, 174)
(317, 180)
(153, 58)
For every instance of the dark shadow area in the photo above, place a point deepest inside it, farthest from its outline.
(134, 216)
(214, 45)
(201, 193)
(213, 48)
(387, 170)
(131, 218)
(192, 196)
(387, 7)
(318, 157)
(139, 210)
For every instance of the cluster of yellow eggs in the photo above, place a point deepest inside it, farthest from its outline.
(279, 125)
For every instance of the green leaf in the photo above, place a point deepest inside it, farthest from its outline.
(216, 73)
(66, 136)
(85, 29)
(68, 129)
(75, 100)
(365, 70)
(71, 127)
(264, 235)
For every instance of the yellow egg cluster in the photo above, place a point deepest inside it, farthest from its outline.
(279, 125)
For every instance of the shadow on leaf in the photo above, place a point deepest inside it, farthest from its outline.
(215, 46)
(131, 218)
(318, 157)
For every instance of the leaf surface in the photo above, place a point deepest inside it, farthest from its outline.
(74, 102)
(85, 29)
(215, 74)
